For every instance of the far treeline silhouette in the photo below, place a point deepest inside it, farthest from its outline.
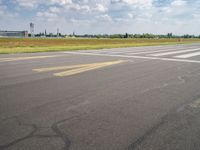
(126, 35)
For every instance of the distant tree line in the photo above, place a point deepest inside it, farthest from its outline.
(126, 35)
(48, 35)
(146, 35)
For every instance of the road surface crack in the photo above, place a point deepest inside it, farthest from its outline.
(34, 129)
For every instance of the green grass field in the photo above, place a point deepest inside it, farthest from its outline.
(31, 45)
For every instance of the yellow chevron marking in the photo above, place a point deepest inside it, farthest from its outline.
(27, 58)
(76, 69)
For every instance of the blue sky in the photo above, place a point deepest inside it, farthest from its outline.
(102, 16)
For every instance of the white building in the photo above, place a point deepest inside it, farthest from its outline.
(13, 33)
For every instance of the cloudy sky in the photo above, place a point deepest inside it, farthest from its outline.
(102, 16)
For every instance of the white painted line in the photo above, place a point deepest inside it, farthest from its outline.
(175, 52)
(119, 51)
(137, 51)
(188, 55)
(128, 49)
(154, 51)
(141, 57)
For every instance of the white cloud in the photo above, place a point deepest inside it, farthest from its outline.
(178, 3)
(54, 9)
(135, 3)
(100, 8)
(177, 8)
(27, 3)
(31, 4)
(78, 8)
(61, 2)
(46, 14)
(135, 15)
(50, 15)
(104, 18)
(4, 12)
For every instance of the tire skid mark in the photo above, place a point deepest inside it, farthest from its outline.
(195, 104)
(139, 141)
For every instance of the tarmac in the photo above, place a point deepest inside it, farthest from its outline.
(140, 98)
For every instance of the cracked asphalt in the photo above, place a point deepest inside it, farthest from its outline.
(141, 104)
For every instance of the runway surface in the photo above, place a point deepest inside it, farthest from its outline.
(142, 98)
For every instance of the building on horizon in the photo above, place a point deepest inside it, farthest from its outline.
(13, 33)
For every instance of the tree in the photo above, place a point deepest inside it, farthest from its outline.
(169, 35)
(126, 35)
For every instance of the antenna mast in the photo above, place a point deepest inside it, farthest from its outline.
(32, 29)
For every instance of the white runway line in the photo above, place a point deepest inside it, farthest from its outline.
(154, 51)
(121, 51)
(175, 52)
(137, 51)
(128, 49)
(141, 57)
(188, 55)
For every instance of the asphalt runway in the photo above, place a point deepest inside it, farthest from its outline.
(142, 98)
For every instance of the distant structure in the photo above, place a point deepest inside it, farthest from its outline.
(57, 32)
(19, 34)
(32, 29)
(74, 34)
(45, 33)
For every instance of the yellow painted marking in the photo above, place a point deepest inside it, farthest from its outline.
(195, 104)
(76, 69)
(27, 58)
(59, 68)
(84, 69)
